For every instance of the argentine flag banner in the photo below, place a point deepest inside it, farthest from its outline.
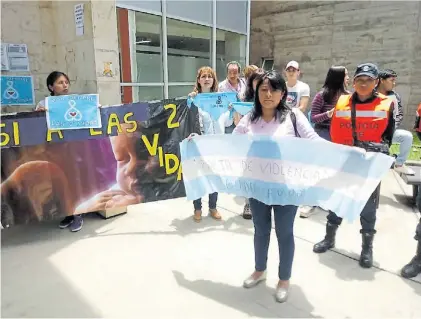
(283, 171)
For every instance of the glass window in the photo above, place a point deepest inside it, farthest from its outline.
(147, 93)
(267, 64)
(189, 48)
(230, 46)
(147, 49)
(179, 90)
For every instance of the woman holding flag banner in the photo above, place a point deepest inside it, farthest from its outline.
(270, 116)
(207, 82)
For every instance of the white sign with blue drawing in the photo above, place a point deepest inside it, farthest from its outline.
(214, 103)
(17, 90)
(69, 112)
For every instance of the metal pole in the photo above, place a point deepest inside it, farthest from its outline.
(214, 35)
(165, 47)
(248, 32)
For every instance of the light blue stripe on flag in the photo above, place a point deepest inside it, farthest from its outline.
(284, 171)
(243, 107)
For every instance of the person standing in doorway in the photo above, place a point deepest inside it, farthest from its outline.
(58, 83)
(387, 83)
(363, 119)
(298, 92)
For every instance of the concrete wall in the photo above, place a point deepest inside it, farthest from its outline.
(48, 28)
(319, 34)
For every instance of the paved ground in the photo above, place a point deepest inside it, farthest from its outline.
(155, 262)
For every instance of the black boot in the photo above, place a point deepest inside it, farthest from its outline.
(414, 267)
(329, 241)
(366, 257)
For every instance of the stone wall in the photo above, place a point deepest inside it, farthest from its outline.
(319, 34)
(48, 28)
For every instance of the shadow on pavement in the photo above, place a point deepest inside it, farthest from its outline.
(32, 287)
(256, 302)
(349, 271)
(234, 224)
(319, 217)
(401, 202)
(414, 283)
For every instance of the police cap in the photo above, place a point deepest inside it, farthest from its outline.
(367, 69)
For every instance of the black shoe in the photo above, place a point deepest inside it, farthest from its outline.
(366, 257)
(66, 222)
(247, 212)
(412, 269)
(329, 241)
(77, 223)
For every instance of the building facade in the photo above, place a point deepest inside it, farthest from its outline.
(129, 50)
(319, 34)
(163, 43)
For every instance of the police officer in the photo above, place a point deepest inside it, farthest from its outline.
(362, 119)
(414, 267)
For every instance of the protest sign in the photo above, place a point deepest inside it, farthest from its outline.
(133, 158)
(215, 104)
(284, 171)
(69, 112)
(242, 107)
(17, 90)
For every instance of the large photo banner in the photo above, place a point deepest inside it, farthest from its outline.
(284, 171)
(133, 158)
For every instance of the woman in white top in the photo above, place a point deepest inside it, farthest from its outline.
(272, 117)
(58, 83)
(207, 82)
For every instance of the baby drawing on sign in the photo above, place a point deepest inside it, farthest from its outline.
(132, 167)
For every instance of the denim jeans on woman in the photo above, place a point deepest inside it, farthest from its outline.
(213, 198)
(284, 228)
(323, 132)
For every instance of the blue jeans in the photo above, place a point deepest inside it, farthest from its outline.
(404, 138)
(284, 228)
(323, 132)
(212, 202)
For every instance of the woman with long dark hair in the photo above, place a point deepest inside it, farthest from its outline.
(322, 108)
(271, 116)
(324, 101)
(252, 80)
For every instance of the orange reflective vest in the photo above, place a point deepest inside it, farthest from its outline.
(371, 120)
(418, 127)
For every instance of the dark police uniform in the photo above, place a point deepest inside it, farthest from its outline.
(370, 125)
